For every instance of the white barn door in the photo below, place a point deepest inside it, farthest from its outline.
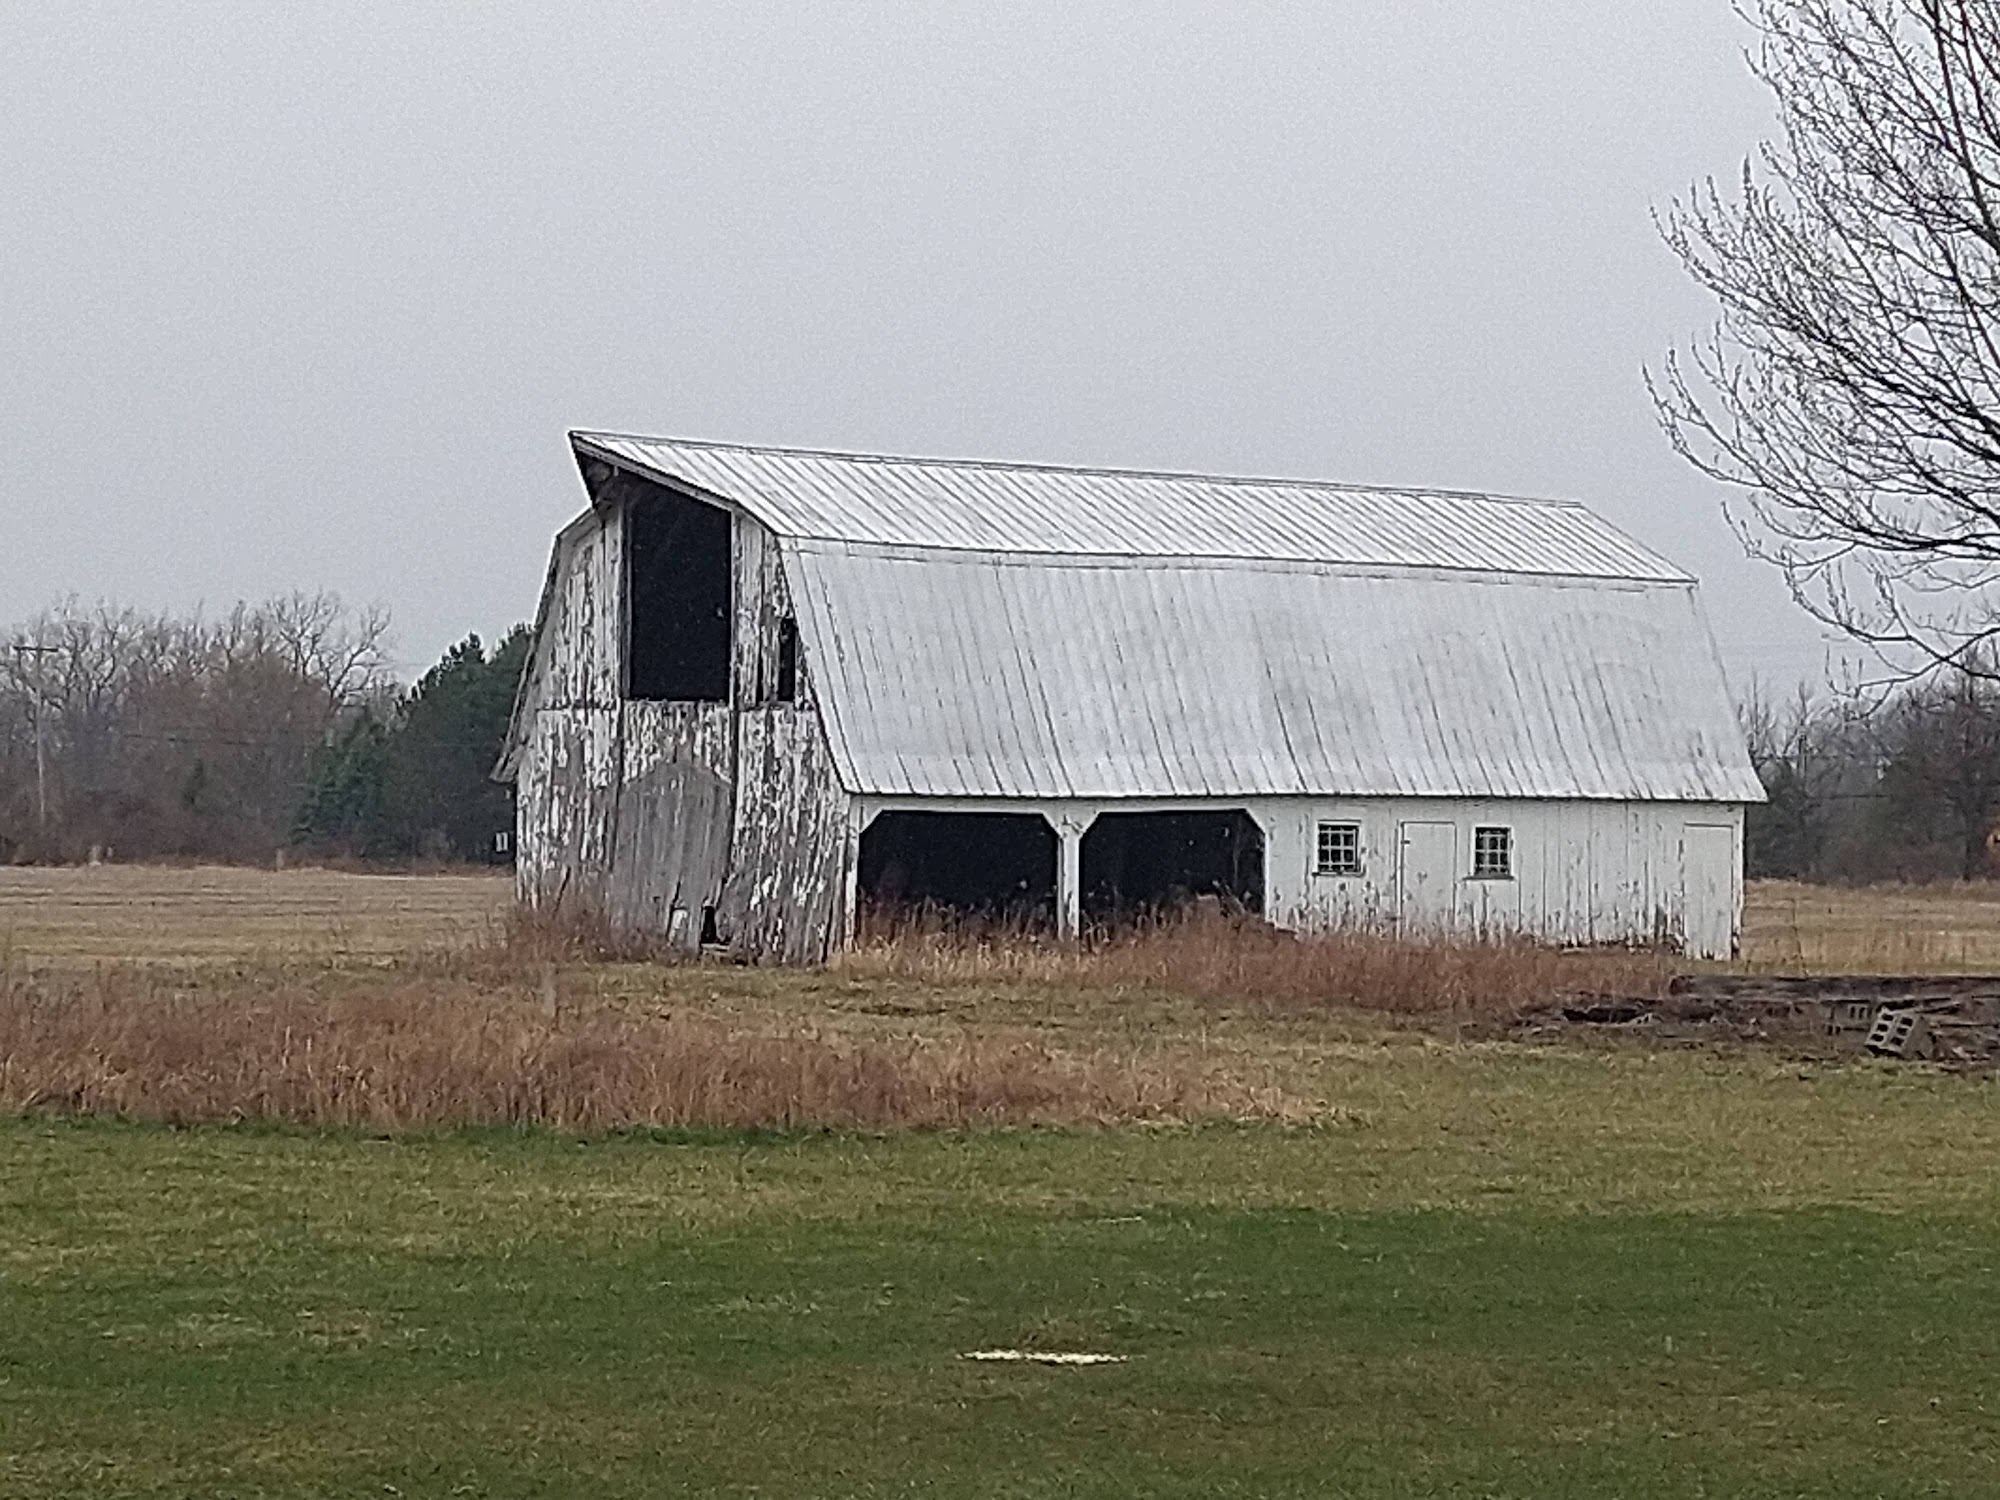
(1708, 890)
(1426, 876)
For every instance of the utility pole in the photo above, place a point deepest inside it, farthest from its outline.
(23, 651)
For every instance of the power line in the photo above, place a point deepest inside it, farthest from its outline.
(200, 737)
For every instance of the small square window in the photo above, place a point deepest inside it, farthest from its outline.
(1492, 854)
(1339, 849)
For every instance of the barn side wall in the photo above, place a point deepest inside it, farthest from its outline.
(1583, 871)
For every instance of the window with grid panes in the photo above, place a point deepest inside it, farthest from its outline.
(1492, 853)
(1339, 849)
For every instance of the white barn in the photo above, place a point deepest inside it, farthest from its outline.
(770, 684)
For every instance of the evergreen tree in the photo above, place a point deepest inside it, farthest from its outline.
(342, 805)
(439, 798)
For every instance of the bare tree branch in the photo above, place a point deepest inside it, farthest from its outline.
(1851, 386)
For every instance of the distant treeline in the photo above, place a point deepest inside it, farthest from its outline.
(1865, 787)
(282, 726)
(276, 726)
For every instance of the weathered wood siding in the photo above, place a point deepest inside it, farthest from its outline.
(652, 812)
(782, 900)
(585, 631)
(670, 850)
(565, 794)
(783, 897)
(567, 766)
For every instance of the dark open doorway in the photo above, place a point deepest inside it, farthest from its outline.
(1134, 863)
(995, 865)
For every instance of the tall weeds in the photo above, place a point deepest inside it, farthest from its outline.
(430, 1053)
(490, 1033)
(1214, 955)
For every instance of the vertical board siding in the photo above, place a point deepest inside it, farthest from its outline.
(671, 852)
(751, 649)
(563, 809)
(697, 734)
(627, 810)
(763, 603)
(787, 878)
(585, 633)
(673, 810)
(567, 768)
(1584, 872)
(787, 848)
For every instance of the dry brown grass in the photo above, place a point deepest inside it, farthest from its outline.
(490, 1016)
(428, 1050)
(1818, 929)
(1210, 955)
(217, 914)
(326, 997)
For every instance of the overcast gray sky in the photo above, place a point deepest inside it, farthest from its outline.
(306, 296)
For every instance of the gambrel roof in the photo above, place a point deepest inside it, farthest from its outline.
(1032, 509)
(1027, 631)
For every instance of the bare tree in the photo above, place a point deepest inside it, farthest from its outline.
(1940, 771)
(324, 641)
(162, 735)
(1851, 387)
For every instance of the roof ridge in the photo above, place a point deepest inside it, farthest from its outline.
(1108, 471)
(1674, 577)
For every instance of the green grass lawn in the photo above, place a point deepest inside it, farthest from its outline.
(1506, 1273)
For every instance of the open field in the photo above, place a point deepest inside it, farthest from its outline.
(209, 913)
(1382, 1311)
(1378, 1259)
(161, 914)
(1810, 929)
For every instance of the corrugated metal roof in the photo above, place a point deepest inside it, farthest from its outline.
(989, 674)
(1016, 508)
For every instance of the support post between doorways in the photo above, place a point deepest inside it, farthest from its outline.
(1069, 873)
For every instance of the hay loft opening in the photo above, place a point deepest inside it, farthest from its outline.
(985, 864)
(1154, 861)
(677, 592)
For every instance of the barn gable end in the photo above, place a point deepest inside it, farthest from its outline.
(653, 745)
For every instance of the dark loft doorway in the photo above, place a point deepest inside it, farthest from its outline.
(677, 582)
